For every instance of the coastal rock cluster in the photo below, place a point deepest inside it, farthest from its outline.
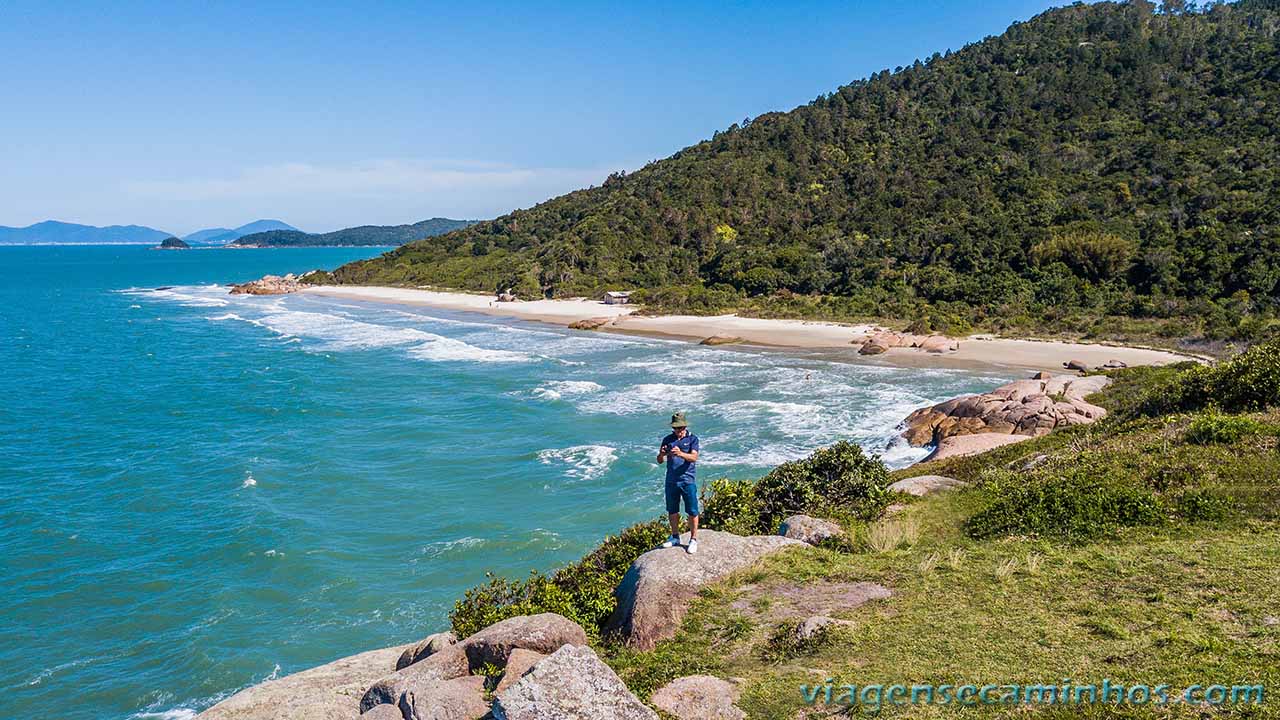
(654, 595)
(271, 285)
(1019, 410)
(529, 667)
(881, 341)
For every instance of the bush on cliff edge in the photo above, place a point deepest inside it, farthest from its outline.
(1248, 382)
(582, 591)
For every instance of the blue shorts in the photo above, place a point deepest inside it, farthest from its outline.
(686, 490)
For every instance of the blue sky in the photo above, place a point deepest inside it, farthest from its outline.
(183, 115)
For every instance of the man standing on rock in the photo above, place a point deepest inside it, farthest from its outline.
(680, 452)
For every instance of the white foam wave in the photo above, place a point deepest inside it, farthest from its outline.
(646, 398)
(336, 332)
(583, 462)
(557, 389)
(249, 481)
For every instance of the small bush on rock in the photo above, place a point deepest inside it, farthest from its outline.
(836, 480)
(582, 591)
(731, 506)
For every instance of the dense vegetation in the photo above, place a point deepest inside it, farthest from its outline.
(1102, 169)
(355, 236)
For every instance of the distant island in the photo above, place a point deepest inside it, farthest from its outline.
(223, 236)
(173, 243)
(364, 235)
(54, 232)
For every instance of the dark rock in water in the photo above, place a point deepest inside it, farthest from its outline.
(589, 323)
(173, 243)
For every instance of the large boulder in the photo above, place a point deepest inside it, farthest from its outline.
(721, 340)
(429, 646)
(327, 692)
(269, 285)
(517, 665)
(458, 699)
(570, 684)
(1028, 408)
(925, 484)
(590, 323)
(699, 697)
(544, 633)
(809, 530)
(655, 592)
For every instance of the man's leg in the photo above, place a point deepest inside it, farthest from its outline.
(693, 527)
(674, 519)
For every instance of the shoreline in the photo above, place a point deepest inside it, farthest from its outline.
(982, 350)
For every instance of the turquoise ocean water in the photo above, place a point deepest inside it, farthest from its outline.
(200, 491)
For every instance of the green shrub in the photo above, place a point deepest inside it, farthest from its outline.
(731, 506)
(1214, 427)
(1203, 505)
(1248, 382)
(582, 591)
(834, 481)
(1075, 507)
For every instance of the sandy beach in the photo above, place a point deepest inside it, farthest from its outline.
(1006, 352)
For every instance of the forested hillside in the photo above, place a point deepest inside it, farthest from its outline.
(363, 235)
(1105, 169)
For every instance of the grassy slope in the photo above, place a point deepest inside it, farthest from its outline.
(1180, 603)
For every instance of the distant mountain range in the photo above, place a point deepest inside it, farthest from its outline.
(52, 232)
(259, 233)
(222, 236)
(362, 235)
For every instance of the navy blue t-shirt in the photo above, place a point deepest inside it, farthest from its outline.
(680, 470)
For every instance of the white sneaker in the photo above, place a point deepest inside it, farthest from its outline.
(673, 541)
(692, 549)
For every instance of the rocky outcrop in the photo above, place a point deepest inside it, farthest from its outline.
(922, 485)
(173, 243)
(721, 340)
(655, 592)
(594, 323)
(699, 697)
(809, 530)
(961, 445)
(458, 699)
(492, 646)
(517, 665)
(327, 692)
(269, 285)
(882, 341)
(429, 646)
(1024, 407)
(570, 684)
